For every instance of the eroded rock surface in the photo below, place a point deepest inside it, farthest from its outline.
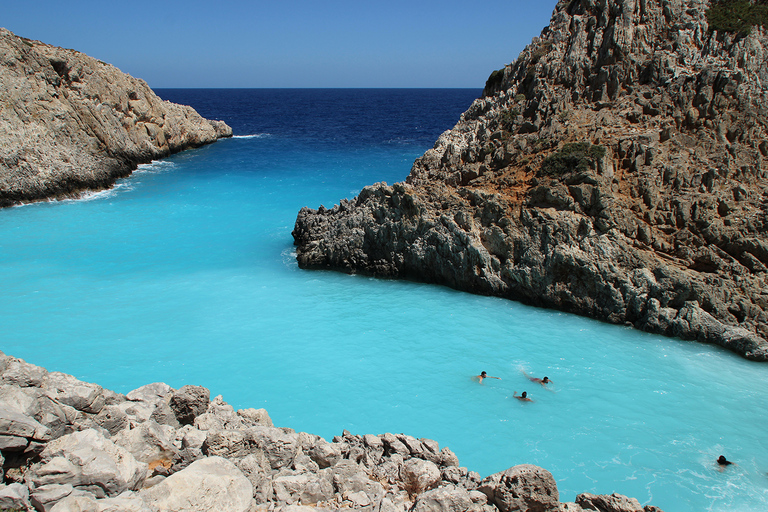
(617, 169)
(70, 123)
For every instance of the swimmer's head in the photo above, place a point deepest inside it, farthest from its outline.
(525, 394)
(483, 374)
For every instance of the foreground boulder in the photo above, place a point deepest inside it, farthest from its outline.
(70, 123)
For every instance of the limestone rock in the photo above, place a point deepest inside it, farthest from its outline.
(88, 461)
(212, 483)
(523, 487)
(71, 123)
(14, 497)
(616, 169)
(189, 402)
(608, 503)
(419, 475)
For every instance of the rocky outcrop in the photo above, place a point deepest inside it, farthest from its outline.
(222, 459)
(617, 169)
(70, 123)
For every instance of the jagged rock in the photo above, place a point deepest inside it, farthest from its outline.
(83, 396)
(16, 424)
(45, 497)
(126, 502)
(71, 123)
(419, 475)
(449, 499)
(256, 468)
(20, 373)
(189, 402)
(608, 503)
(112, 419)
(14, 497)
(325, 454)
(613, 170)
(305, 488)
(212, 483)
(523, 487)
(147, 442)
(88, 461)
(252, 417)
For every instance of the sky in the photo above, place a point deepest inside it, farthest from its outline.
(290, 43)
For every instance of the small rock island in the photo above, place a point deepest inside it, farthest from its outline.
(70, 123)
(617, 169)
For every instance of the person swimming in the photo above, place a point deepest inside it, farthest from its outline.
(523, 397)
(723, 462)
(543, 381)
(484, 375)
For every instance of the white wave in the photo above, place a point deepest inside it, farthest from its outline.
(254, 136)
(155, 166)
(102, 194)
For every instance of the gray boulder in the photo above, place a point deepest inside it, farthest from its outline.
(305, 488)
(524, 487)
(13, 423)
(18, 372)
(126, 502)
(419, 475)
(46, 497)
(212, 483)
(189, 402)
(88, 461)
(148, 442)
(14, 497)
(112, 419)
(608, 503)
(444, 499)
(83, 396)
(252, 417)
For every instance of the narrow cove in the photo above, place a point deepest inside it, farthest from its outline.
(185, 274)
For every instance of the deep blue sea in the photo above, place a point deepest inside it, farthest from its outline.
(186, 273)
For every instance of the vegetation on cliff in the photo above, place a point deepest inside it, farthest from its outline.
(737, 16)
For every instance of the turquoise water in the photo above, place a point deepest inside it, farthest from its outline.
(185, 273)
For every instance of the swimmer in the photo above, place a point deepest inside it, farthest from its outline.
(543, 381)
(484, 375)
(523, 397)
(723, 463)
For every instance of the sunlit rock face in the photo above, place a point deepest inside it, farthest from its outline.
(70, 123)
(617, 169)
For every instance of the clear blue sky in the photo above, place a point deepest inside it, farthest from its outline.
(290, 43)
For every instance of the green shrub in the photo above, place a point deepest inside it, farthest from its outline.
(737, 16)
(576, 156)
(507, 119)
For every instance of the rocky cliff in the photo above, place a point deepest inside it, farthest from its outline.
(617, 169)
(70, 123)
(68, 445)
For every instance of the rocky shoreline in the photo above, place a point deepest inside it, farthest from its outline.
(70, 123)
(617, 169)
(68, 445)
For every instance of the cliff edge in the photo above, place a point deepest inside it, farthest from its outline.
(70, 123)
(617, 169)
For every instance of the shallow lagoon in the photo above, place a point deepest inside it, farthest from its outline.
(185, 274)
